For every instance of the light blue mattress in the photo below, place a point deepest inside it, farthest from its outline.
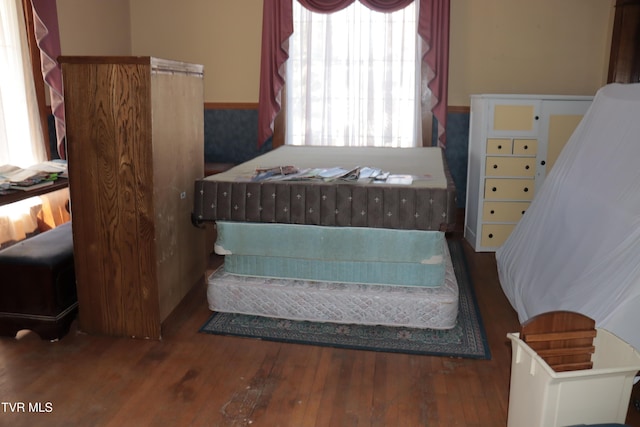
(335, 254)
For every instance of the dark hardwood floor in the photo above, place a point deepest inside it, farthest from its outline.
(193, 379)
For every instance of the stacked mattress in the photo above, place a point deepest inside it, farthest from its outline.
(335, 274)
(342, 252)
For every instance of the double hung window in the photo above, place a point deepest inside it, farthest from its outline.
(353, 78)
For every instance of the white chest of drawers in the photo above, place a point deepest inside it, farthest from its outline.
(514, 141)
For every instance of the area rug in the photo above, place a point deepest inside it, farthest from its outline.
(465, 340)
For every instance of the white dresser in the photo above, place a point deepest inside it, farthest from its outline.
(514, 141)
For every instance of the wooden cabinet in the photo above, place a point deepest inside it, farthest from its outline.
(624, 61)
(514, 141)
(135, 137)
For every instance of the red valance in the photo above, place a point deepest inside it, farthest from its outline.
(330, 6)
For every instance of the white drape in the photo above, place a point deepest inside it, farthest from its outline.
(578, 246)
(21, 138)
(353, 78)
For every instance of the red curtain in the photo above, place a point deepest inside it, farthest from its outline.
(277, 27)
(45, 17)
(433, 27)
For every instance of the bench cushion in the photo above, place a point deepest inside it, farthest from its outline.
(38, 289)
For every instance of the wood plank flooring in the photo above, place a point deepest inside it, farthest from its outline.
(192, 379)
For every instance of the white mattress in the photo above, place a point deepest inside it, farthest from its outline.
(425, 164)
(354, 303)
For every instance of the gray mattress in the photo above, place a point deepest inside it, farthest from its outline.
(428, 203)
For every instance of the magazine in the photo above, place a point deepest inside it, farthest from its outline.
(32, 177)
(358, 174)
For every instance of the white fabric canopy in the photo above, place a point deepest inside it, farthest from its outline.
(577, 247)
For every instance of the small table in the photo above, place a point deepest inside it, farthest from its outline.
(11, 196)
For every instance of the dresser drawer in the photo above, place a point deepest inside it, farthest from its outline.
(510, 166)
(504, 211)
(494, 235)
(499, 146)
(515, 189)
(525, 147)
(515, 116)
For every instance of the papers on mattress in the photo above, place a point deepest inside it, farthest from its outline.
(358, 174)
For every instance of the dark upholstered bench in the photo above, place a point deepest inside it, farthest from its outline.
(38, 285)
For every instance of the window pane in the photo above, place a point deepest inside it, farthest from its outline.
(20, 134)
(351, 78)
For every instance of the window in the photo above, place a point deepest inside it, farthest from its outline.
(353, 78)
(21, 137)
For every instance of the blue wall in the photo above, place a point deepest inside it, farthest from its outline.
(457, 152)
(231, 136)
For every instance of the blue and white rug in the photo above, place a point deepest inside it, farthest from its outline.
(467, 339)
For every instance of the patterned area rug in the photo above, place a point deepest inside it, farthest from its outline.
(466, 340)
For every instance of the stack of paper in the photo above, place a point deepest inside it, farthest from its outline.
(36, 176)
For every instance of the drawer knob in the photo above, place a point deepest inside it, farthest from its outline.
(495, 166)
(492, 211)
(543, 163)
(499, 147)
(523, 212)
(527, 167)
(491, 235)
(526, 189)
(494, 189)
(526, 147)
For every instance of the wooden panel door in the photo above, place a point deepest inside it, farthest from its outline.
(624, 60)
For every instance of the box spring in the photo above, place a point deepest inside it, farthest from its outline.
(356, 303)
(336, 254)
